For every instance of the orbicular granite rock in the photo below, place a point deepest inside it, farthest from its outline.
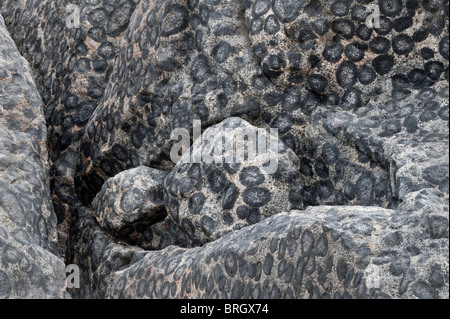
(322, 252)
(233, 176)
(72, 66)
(130, 202)
(177, 62)
(29, 264)
(131, 206)
(358, 91)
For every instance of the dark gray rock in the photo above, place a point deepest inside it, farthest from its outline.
(245, 258)
(364, 109)
(130, 201)
(211, 198)
(30, 266)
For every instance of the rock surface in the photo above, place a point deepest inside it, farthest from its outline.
(361, 107)
(321, 252)
(130, 202)
(233, 184)
(29, 264)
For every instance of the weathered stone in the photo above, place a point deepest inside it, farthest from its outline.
(130, 201)
(30, 266)
(364, 109)
(207, 198)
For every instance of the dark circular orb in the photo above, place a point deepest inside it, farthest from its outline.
(272, 25)
(427, 53)
(418, 79)
(385, 26)
(359, 13)
(352, 99)
(317, 83)
(260, 7)
(434, 69)
(383, 64)
(402, 44)
(363, 32)
(344, 28)
(333, 53)
(366, 75)
(380, 45)
(421, 34)
(346, 74)
(403, 23)
(321, 26)
(340, 8)
(390, 8)
(354, 52)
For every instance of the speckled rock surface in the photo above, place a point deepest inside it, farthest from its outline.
(226, 191)
(130, 202)
(29, 264)
(72, 67)
(181, 61)
(321, 252)
(364, 109)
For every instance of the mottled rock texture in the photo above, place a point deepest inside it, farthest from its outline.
(321, 252)
(361, 111)
(130, 202)
(29, 264)
(221, 193)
